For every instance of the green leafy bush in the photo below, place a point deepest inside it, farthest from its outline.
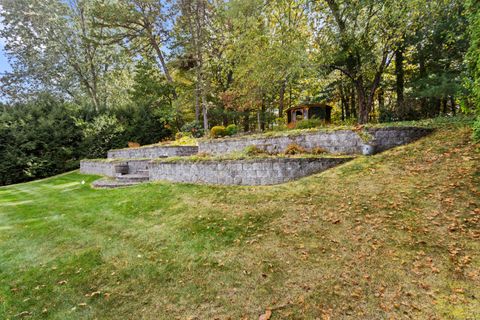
(309, 124)
(231, 129)
(218, 131)
(476, 130)
(293, 149)
(194, 128)
(100, 135)
(38, 139)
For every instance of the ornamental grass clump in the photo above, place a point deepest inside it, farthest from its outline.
(253, 150)
(318, 150)
(294, 149)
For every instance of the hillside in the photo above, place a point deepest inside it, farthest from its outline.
(395, 235)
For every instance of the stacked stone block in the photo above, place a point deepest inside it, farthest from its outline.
(240, 172)
(336, 142)
(152, 152)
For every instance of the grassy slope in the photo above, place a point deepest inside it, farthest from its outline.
(390, 236)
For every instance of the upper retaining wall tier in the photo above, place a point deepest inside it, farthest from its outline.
(152, 152)
(240, 172)
(337, 142)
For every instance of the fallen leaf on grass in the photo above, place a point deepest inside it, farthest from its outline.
(24, 314)
(266, 316)
(93, 294)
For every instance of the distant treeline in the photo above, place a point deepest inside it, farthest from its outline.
(48, 136)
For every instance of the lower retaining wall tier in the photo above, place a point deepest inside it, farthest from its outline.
(107, 168)
(98, 167)
(336, 142)
(152, 152)
(240, 172)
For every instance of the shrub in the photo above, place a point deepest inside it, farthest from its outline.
(318, 150)
(476, 130)
(218, 131)
(185, 140)
(102, 134)
(178, 135)
(194, 128)
(132, 144)
(293, 149)
(231, 129)
(253, 150)
(38, 139)
(308, 124)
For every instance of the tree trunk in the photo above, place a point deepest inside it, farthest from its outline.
(161, 58)
(453, 105)
(262, 118)
(350, 106)
(246, 121)
(197, 99)
(381, 101)
(400, 81)
(281, 100)
(362, 101)
(422, 71)
(343, 99)
(438, 106)
(444, 105)
(362, 105)
(259, 124)
(204, 105)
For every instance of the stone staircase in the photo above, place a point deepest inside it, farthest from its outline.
(123, 180)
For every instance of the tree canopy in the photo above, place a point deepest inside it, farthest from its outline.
(154, 67)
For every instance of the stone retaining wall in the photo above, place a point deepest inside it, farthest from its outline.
(137, 165)
(152, 152)
(240, 172)
(101, 168)
(107, 168)
(337, 142)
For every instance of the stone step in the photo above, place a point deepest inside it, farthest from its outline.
(109, 183)
(142, 172)
(133, 177)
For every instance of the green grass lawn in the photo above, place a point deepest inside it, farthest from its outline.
(392, 236)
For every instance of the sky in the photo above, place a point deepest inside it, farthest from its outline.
(4, 66)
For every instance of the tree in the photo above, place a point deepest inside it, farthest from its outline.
(360, 38)
(194, 22)
(473, 60)
(50, 46)
(137, 23)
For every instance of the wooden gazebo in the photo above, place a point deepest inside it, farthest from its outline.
(308, 110)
